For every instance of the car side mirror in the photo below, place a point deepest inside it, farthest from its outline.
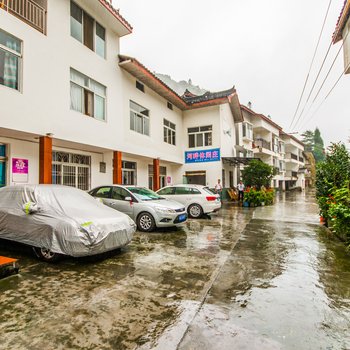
(128, 199)
(30, 208)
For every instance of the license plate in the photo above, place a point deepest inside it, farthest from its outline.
(182, 217)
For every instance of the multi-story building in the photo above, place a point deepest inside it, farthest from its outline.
(74, 111)
(60, 91)
(342, 31)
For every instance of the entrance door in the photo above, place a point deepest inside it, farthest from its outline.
(196, 178)
(2, 165)
(2, 173)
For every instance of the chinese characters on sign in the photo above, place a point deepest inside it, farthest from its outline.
(202, 156)
(20, 170)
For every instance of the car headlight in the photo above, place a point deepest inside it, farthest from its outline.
(164, 210)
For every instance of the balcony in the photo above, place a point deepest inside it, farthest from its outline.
(29, 11)
(262, 143)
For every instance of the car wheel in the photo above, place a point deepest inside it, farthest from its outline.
(46, 254)
(145, 222)
(195, 211)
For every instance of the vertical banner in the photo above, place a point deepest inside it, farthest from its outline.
(20, 169)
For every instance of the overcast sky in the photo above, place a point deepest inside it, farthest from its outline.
(263, 47)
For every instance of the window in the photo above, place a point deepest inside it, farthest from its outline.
(87, 96)
(275, 145)
(140, 86)
(169, 131)
(120, 194)
(103, 192)
(200, 136)
(71, 169)
(247, 131)
(2, 165)
(166, 191)
(170, 106)
(86, 30)
(129, 173)
(139, 118)
(10, 60)
(186, 190)
(162, 176)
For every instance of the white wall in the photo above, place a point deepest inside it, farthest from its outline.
(152, 146)
(24, 150)
(43, 105)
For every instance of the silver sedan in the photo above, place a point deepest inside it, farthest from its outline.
(145, 207)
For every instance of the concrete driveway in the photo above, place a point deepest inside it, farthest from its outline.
(267, 278)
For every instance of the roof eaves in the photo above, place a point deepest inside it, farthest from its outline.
(117, 15)
(342, 19)
(123, 58)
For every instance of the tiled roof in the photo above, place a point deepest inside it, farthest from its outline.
(187, 101)
(208, 96)
(116, 14)
(342, 19)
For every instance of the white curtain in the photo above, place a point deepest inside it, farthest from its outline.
(76, 97)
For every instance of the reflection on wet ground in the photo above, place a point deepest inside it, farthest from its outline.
(122, 302)
(286, 285)
(269, 278)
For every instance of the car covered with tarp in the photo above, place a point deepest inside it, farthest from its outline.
(60, 220)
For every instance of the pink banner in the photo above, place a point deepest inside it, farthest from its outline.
(19, 166)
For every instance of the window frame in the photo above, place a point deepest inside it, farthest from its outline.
(167, 127)
(199, 132)
(85, 14)
(144, 117)
(87, 90)
(19, 60)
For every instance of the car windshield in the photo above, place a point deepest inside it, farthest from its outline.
(144, 194)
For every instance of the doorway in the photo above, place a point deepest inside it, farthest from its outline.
(195, 178)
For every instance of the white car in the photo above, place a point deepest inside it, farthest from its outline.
(197, 199)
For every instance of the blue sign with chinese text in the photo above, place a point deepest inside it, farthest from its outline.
(202, 156)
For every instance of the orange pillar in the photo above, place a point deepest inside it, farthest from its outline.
(156, 184)
(45, 160)
(117, 168)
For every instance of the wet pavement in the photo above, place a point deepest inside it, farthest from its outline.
(263, 278)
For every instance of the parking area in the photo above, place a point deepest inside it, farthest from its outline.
(125, 300)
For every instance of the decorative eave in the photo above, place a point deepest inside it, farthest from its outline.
(186, 102)
(342, 19)
(115, 13)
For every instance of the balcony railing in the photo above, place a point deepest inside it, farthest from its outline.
(293, 156)
(301, 159)
(262, 143)
(28, 11)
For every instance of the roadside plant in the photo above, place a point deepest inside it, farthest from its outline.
(331, 175)
(257, 174)
(332, 189)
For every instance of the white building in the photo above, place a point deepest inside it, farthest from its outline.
(342, 31)
(76, 112)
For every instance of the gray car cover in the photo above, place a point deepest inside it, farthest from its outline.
(63, 219)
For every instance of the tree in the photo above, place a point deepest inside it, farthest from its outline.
(314, 143)
(318, 146)
(257, 174)
(308, 140)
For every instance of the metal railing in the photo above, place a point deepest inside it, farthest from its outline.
(28, 11)
(262, 143)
